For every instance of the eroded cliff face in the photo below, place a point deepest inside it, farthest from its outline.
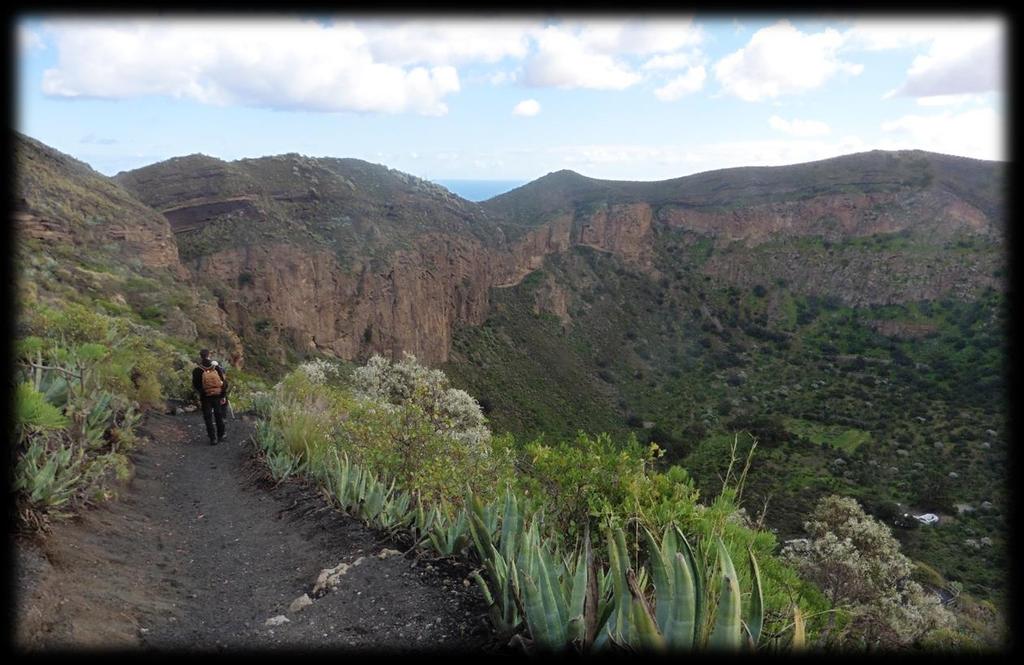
(409, 304)
(835, 217)
(423, 265)
(410, 301)
(413, 300)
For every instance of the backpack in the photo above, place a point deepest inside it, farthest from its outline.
(212, 383)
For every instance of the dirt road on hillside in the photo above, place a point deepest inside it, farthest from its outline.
(200, 551)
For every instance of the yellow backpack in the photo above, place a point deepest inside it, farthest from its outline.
(212, 383)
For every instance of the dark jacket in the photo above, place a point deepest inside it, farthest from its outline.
(197, 380)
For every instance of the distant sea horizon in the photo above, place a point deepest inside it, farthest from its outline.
(480, 190)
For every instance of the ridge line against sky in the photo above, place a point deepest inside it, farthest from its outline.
(513, 99)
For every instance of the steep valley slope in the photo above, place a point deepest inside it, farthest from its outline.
(847, 313)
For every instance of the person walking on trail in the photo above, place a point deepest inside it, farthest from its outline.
(209, 380)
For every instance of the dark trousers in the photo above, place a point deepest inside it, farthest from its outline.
(213, 410)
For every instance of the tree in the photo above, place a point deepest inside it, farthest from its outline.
(860, 568)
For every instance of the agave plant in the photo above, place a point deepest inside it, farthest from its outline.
(397, 512)
(371, 493)
(563, 602)
(422, 522)
(94, 418)
(54, 386)
(266, 437)
(281, 465)
(681, 617)
(48, 479)
(449, 536)
(343, 480)
(501, 588)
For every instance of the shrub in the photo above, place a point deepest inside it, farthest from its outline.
(400, 420)
(33, 413)
(451, 411)
(859, 566)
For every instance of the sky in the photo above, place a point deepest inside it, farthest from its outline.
(513, 97)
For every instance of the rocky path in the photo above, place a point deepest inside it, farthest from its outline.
(202, 552)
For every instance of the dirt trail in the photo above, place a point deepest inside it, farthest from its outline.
(200, 551)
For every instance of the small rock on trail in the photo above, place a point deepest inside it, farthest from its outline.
(300, 603)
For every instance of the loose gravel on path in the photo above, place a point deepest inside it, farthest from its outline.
(201, 550)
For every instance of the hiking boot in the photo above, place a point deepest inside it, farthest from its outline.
(222, 437)
(213, 442)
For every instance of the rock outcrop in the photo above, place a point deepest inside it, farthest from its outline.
(62, 201)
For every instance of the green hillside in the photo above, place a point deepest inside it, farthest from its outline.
(836, 406)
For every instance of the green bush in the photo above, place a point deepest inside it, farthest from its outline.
(33, 414)
(83, 376)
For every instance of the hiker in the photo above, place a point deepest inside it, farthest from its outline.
(209, 381)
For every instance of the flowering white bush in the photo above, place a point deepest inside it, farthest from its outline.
(461, 410)
(858, 564)
(320, 371)
(452, 411)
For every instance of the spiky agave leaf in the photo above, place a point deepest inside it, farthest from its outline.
(536, 615)
(755, 619)
(681, 627)
(478, 530)
(662, 579)
(727, 633)
(511, 525)
(644, 629)
(697, 568)
(577, 633)
(618, 628)
(554, 602)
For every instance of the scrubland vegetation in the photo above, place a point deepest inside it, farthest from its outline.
(587, 543)
(88, 363)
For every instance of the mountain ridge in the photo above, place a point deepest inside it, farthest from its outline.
(713, 188)
(391, 263)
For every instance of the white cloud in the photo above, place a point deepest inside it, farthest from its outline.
(780, 60)
(29, 40)
(894, 33)
(564, 60)
(799, 127)
(375, 65)
(964, 55)
(592, 54)
(963, 61)
(977, 133)
(949, 100)
(671, 61)
(449, 41)
(281, 64)
(639, 37)
(691, 81)
(527, 107)
(502, 77)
